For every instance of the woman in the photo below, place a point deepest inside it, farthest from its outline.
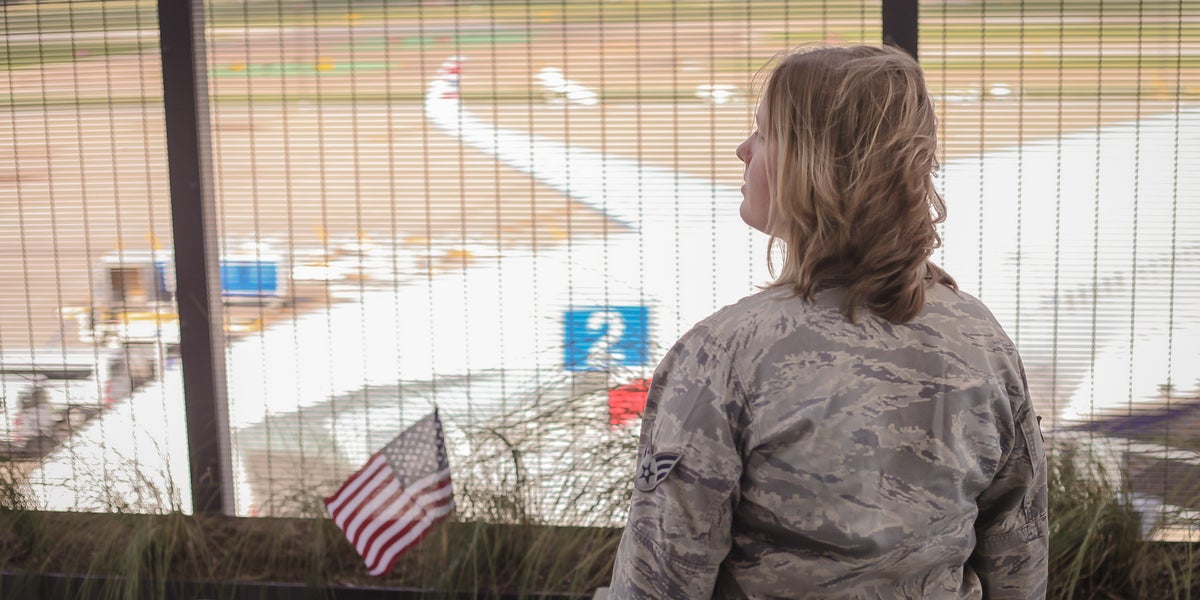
(860, 428)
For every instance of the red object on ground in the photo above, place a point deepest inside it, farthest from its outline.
(626, 402)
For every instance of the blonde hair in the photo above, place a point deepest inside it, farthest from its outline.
(854, 141)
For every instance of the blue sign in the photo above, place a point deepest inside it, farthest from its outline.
(249, 278)
(597, 338)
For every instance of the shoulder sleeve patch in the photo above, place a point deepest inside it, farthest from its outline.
(653, 468)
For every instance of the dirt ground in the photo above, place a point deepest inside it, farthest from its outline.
(350, 156)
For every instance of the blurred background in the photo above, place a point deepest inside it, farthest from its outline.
(510, 210)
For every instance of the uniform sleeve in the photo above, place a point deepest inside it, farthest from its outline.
(687, 481)
(1012, 539)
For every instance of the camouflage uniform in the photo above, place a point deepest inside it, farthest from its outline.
(789, 453)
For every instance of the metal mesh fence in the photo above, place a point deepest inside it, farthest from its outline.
(510, 210)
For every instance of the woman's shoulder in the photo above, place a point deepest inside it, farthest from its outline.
(943, 302)
(752, 315)
(775, 313)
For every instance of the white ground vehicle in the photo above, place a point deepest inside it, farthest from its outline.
(25, 419)
(45, 396)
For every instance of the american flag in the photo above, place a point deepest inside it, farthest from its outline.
(390, 504)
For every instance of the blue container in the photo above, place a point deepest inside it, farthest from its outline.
(250, 279)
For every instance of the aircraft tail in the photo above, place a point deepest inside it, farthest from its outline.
(445, 85)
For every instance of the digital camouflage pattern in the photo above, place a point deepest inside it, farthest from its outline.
(819, 458)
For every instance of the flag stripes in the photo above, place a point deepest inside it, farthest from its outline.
(406, 507)
(413, 524)
(356, 482)
(393, 501)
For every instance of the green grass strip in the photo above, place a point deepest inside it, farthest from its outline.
(16, 56)
(415, 97)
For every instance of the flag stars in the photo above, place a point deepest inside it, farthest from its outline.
(412, 451)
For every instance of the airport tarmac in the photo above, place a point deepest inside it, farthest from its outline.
(311, 178)
(350, 155)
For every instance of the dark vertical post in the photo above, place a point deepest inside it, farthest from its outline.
(900, 24)
(193, 218)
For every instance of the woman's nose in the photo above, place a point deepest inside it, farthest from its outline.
(741, 152)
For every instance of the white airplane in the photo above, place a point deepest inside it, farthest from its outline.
(311, 398)
(477, 342)
(560, 89)
(991, 242)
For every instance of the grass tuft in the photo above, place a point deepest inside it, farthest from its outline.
(524, 473)
(1098, 542)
